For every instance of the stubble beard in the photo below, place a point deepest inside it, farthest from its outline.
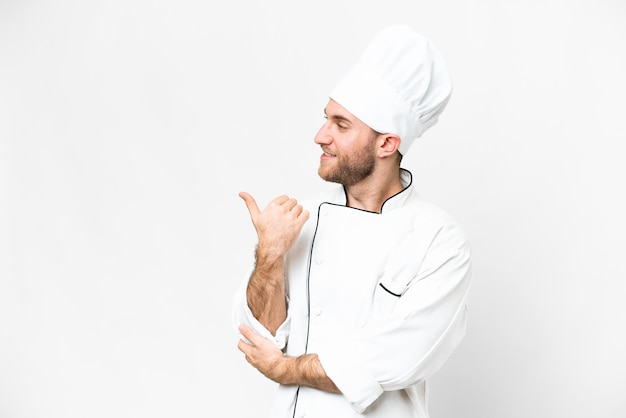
(350, 170)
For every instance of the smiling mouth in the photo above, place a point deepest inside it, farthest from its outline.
(326, 157)
(327, 154)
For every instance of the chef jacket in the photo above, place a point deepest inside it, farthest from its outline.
(381, 298)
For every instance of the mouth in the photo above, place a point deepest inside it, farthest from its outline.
(326, 156)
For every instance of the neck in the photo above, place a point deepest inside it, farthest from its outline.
(370, 193)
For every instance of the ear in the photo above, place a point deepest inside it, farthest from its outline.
(388, 145)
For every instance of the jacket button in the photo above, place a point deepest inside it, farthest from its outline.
(317, 311)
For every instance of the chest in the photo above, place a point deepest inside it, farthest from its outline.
(348, 256)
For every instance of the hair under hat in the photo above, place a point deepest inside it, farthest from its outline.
(399, 85)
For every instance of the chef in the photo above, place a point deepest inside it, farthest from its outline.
(359, 295)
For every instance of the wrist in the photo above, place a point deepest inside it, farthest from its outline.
(286, 370)
(268, 256)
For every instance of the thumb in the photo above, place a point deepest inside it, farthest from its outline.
(253, 208)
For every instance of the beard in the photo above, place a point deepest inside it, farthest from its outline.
(349, 170)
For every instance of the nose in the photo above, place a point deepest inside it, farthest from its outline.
(323, 136)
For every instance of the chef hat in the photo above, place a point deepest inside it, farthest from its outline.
(399, 85)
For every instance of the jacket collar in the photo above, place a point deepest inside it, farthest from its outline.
(399, 199)
(393, 202)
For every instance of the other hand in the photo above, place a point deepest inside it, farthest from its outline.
(262, 354)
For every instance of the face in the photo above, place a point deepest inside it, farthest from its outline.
(348, 145)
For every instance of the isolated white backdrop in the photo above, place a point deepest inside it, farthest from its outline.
(128, 127)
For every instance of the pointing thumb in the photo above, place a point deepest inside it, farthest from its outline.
(253, 208)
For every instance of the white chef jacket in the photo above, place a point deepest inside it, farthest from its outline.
(379, 297)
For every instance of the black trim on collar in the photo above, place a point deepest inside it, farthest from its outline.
(389, 291)
(407, 186)
(386, 200)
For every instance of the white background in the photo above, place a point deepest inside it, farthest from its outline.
(127, 128)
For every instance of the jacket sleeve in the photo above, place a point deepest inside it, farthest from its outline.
(418, 318)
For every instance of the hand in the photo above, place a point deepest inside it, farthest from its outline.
(261, 353)
(264, 356)
(278, 225)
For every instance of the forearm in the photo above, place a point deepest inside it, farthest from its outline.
(306, 370)
(266, 290)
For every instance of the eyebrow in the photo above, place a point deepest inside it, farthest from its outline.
(338, 117)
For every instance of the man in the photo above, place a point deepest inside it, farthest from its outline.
(352, 310)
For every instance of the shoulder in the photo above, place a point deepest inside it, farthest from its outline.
(443, 226)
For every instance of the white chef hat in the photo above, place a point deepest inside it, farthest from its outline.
(399, 85)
